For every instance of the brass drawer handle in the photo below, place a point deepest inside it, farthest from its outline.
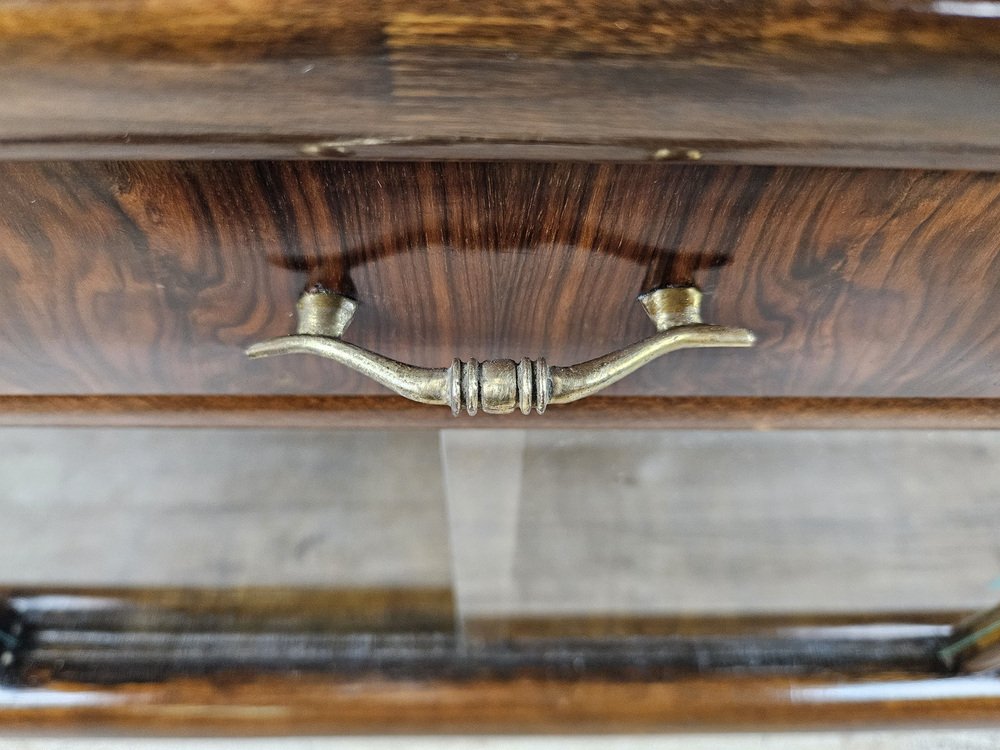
(498, 386)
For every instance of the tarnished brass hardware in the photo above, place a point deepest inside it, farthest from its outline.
(499, 386)
(974, 646)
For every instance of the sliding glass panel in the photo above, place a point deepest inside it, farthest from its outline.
(627, 524)
(222, 508)
(645, 523)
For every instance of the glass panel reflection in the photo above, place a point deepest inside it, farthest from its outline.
(222, 508)
(643, 523)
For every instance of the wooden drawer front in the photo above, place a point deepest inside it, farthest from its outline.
(120, 278)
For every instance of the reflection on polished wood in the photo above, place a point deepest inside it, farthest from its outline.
(307, 704)
(137, 278)
(828, 82)
(212, 662)
(259, 608)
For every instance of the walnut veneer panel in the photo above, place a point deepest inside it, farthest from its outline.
(152, 277)
(909, 83)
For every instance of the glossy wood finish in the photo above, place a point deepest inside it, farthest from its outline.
(138, 278)
(310, 705)
(314, 705)
(829, 82)
(203, 662)
(249, 609)
(609, 412)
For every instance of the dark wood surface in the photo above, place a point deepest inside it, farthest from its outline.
(195, 662)
(150, 278)
(829, 82)
(393, 412)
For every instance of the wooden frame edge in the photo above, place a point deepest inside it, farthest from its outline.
(377, 412)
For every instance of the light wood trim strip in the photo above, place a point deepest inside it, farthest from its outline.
(376, 412)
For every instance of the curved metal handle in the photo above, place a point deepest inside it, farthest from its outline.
(498, 386)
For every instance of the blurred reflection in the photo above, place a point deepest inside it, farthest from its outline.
(523, 524)
(222, 508)
(645, 523)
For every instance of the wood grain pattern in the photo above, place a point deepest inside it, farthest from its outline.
(150, 278)
(107, 660)
(828, 82)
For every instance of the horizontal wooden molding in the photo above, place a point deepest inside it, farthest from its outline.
(377, 412)
(834, 82)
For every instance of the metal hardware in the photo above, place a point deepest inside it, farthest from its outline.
(499, 386)
(975, 644)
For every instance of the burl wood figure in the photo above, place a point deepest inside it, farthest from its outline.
(493, 184)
